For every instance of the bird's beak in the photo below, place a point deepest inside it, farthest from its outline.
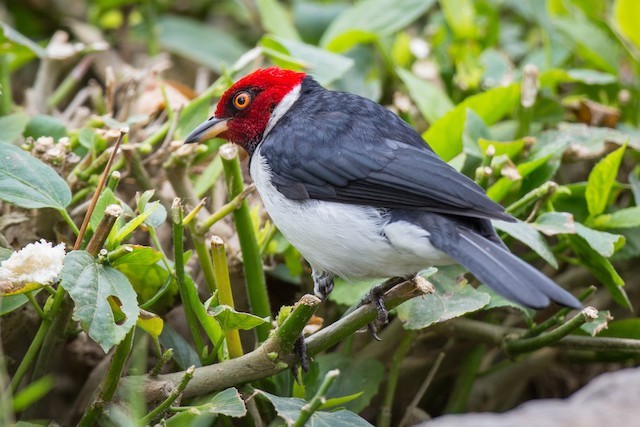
(207, 130)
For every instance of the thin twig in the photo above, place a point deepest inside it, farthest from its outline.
(422, 390)
(159, 410)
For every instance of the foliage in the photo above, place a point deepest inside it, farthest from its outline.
(538, 101)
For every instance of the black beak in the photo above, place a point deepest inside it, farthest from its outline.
(207, 130)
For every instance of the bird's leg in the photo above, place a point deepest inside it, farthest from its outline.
(322, 284)
(300, 350)
(322, 287)
(376, 297)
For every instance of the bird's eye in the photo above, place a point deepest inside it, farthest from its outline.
(241, 100)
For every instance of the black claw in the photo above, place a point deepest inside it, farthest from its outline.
(300, 350)
(376, 297)
(373, 330)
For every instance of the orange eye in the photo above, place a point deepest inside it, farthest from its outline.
(241, 100)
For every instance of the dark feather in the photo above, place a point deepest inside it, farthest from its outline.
(316, 151)
(476, 246)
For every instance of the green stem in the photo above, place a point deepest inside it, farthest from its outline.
(69, 221)
(159, 410)
(384, 415)
(204, 259)
(110, 382)
(194, 309)
(35, 305)
(464, 382)
(225, 210)
(6, 102)
(156, 138)
(525, 345)
(189, 300)
(164, 359)
(165, 287)
(32, 352)
(318, 400)
(557, 318)
(225, 296)
(252, 259)
(70, 83)
(532, 196)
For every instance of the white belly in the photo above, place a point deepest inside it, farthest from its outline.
(350, 241)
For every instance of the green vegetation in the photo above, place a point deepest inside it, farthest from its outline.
(180, 303)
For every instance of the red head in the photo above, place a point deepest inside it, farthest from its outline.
(245, 108)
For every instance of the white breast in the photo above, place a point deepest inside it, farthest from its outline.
(350, 241)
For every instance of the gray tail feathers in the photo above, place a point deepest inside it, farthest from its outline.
(506, 273)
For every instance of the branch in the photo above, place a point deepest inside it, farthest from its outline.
(495, 334)
(275, 354)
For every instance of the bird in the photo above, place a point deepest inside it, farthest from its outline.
(361, 194)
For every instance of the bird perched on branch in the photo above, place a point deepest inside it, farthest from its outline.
(360, 194)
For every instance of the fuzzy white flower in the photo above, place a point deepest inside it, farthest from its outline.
(39, 262)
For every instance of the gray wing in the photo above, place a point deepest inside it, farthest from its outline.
(324, 157)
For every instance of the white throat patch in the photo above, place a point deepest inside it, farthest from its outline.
(284, 105)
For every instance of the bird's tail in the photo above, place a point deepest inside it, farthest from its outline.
(505, 273)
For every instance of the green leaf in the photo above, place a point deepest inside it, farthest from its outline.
(105, 199)
(29, 183)
(361, 375)
(350, 293)
(625, 17)
(158, 212)
(138, 255)
(597, 325)
(601, 268)
(228, 402)
(12, 302)
(183, 353)
(451, 300)
(275, 18)
(602, 242)
(623, 218)
(370, 19)
(201, 43)
(32, 393)
(192, 115)
(13, 125)
(15, 37)
(134, 223)
(445, 135)
(498, 301)
(324, 66)
(601, 180)
(151, 323)
(528, 235)
(90, 285)
(229, 319)
(501, 187)
(208, 177)
(431, 100)
(552, 223)
(288, 408)
(460, 15)
(42, 125)
(625, 328)
(593, 44)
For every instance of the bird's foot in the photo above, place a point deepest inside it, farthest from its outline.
(376, 297)
(302, 359)
(322, 284)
